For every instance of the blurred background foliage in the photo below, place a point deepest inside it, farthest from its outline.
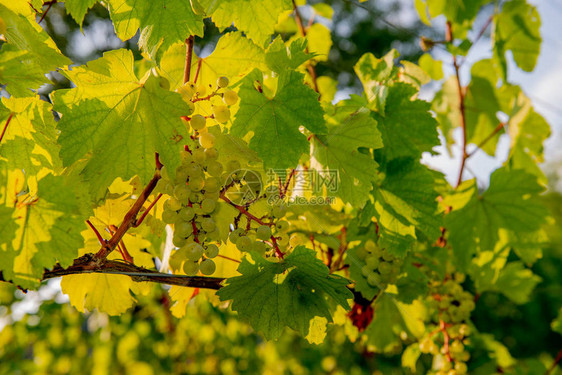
(53, 338)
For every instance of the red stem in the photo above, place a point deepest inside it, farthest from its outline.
(6, 126)
(98, 235)
(140, 220)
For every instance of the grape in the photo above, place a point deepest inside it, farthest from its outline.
(208, 225)
(211, 251)
(182, 192)
(221, 113)
(283, 240)
(282, 226)
(235, 235)
(198, 122)
(387, 256)
(169, 216)
(179, 241)
(214, 168)
(461, 368)
(279, 211)
(183, 229)
(206, 140)
(201, 90)
(259, 247)
(193, 169)
(212, 195)
(175, 261)
(244, 243)
(230, 97)
(172, 204)
(186, 157)
(263, 232)
(187, 90)
(208, 206)
(373, 262)
(187, 213)
(194, 251)
(212, 184)
(211, 154)
(374, 279)
(190, 268)
(199, 156)
(222, 82)
(370, 246)
(196, 184)
(361, 253)
(196, 197)
(207, 267)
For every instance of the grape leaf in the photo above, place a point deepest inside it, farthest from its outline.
(233, 56)
(29, 142)
(517, 30)
(390, 318)
(256, 18)
(350, 127)
(47, 230)
(510, 203)
(290, 293)
(407, 127)
(406, 203)
(78, 8)
(28, 45)
(118, 121)
(162, 22)
(556, 324)
(280, 57)
(275, 121)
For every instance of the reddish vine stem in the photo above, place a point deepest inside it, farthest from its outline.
(302, 30)
(228, 258)
(145, 213)
(6, 126)
(130, 217)
(449, 38)
(485, 140)
(198, 70)
(188, 56)
(50, 4)
(446, 338)
(98, 235)
(555, 363)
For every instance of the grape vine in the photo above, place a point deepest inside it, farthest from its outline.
(240, 174)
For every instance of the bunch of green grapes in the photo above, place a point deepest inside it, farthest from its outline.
(263, 236)
(381, 267)
(449, 329)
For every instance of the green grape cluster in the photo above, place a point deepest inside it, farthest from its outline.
(449, 331)
(193, 204)
(263, 237)
(381, 267)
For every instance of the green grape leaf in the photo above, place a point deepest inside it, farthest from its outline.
(48, 230)
(27, 45)
(406, 204)
(78, 8)
(510, 203)
(161, 22)
(517, 282)
(336, 152)
(280, 57)
(407, 127)
(517, 30)
(118, 121)
(20, 83)
(275, 121)
(457, 11)
(290, 293)
(29, 140)
(390, 318)
(256, 18)
(233, 56)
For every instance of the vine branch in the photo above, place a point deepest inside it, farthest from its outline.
(129, 220)
(555, 363)
(449, 38)
(309, 66)
(188, 56)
